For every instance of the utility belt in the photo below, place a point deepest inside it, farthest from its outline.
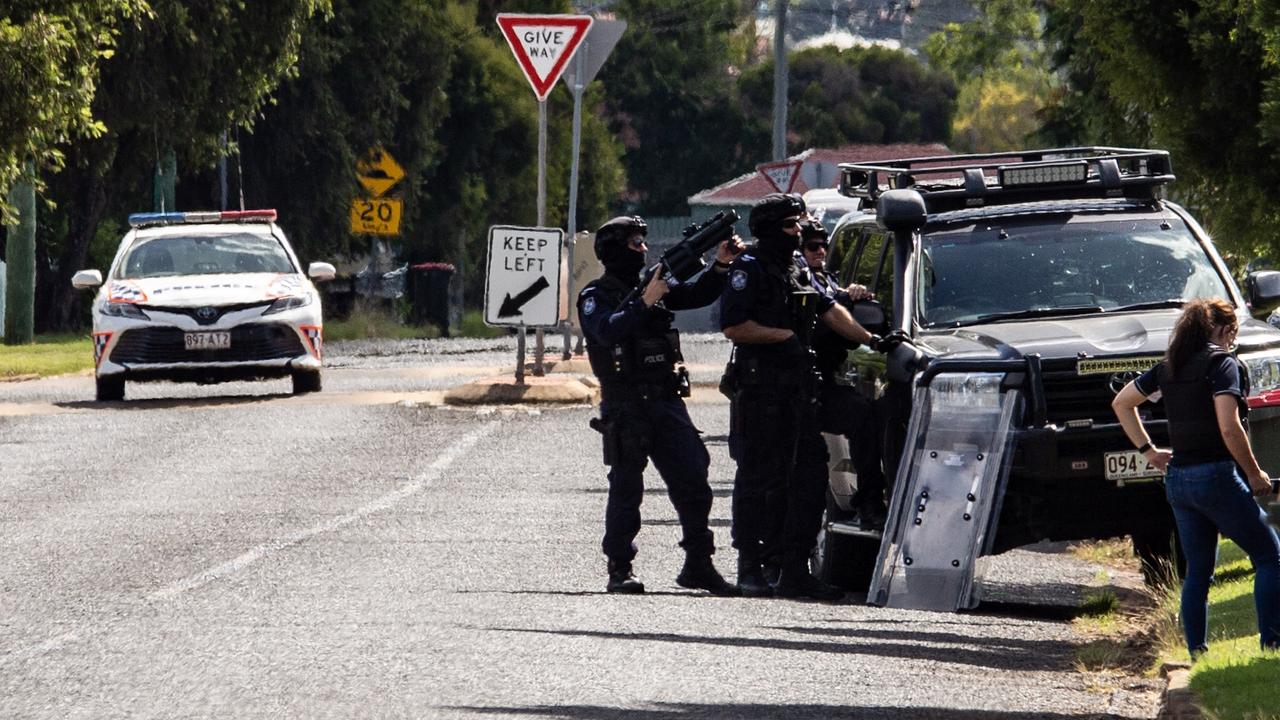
(754, 372)
(674, 383)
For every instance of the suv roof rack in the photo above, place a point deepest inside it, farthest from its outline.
(952, 182)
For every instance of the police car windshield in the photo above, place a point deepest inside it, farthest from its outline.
(203, 254)
(1019, 268)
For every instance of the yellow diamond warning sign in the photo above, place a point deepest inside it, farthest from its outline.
(377, 171)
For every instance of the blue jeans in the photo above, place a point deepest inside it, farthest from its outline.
(1208, 498)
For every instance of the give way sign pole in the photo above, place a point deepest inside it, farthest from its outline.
(601, 39)
(543, 45)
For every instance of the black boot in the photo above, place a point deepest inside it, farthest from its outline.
(621, 580)
(796, 581)
(699, 574)
(751, 582)
(872, 512)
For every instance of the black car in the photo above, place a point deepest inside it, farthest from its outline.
(1064, 269)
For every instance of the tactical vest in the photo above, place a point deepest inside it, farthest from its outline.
(786, 301)
(1189, 405)
(647, 356)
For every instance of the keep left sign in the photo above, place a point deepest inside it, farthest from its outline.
(525, 282)
(543, 45)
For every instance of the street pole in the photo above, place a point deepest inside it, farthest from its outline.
(538, 370)
(166, 182)
(577, 88)
(780, 82)
(20, 258)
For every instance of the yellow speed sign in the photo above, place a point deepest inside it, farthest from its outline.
(376, 216)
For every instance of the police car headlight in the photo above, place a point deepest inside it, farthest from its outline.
(288, 303)
(123, 310)
(1264, 374)
(978, 391)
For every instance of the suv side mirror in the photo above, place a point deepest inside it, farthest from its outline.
(870, 315)
(1262, 289)
(321, 271)
(86, 279)
(901, 210)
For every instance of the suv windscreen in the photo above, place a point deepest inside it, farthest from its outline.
(992, 270)
(203, 255)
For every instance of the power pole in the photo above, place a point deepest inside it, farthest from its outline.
(20, 256)
(780, 82)
(166, 180)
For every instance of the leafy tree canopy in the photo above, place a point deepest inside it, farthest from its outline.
(50, 54)
(1001, 66)
(670, 94)
(1202, 78)
(860, 95)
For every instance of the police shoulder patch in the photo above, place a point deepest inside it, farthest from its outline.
(738, 280)
(588, 306)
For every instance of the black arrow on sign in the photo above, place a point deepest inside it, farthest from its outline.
(511, 305)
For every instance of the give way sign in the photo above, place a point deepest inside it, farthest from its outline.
(782, 174)
(543, 45)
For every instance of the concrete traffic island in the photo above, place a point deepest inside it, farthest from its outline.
(504, 390)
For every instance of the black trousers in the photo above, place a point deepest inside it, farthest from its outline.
(847, 412)
(657, 429)
(779, 491)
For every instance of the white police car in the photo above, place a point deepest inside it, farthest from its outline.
(205, 297)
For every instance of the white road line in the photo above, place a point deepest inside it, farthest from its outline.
(253, 555)
(391, 499)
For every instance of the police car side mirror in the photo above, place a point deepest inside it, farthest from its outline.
(1263, 290)
(86, 279)
(321, 271)
(901, 210)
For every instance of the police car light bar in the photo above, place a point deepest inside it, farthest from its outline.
(191, 218)
(952, 182)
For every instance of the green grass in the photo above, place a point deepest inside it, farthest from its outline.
(1234, 679)
(374, 322)
(48, 355)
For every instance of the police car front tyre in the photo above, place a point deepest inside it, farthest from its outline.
(110, 388)
(306, 382)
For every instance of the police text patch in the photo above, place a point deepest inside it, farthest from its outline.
(738, 280)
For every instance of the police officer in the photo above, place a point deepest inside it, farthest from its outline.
(768, 310)
(845, 411)
(634, 352)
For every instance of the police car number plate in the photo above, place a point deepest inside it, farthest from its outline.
(206, 340)
(1128, 465)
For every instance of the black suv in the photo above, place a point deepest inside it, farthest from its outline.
(1069, 259)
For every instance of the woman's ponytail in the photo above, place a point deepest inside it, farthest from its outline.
(1194, 328)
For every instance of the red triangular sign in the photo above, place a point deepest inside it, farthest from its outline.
(543, 45)
(782, 174)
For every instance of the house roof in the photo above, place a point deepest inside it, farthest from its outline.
(747, 189)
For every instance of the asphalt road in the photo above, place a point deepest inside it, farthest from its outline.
(230, 551)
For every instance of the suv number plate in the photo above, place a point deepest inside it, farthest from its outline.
(207, 340)
(1128, 465)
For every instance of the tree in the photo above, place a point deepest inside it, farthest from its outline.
(669, 92)
(172, 83)
(1001, 66)
(50, 54)
(1202, 79)
(860, 95)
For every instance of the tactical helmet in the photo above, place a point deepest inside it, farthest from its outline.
(772, 209)
(813, 230)
(614, 234)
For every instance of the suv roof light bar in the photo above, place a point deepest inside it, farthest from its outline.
(191, 218)
(952, 182)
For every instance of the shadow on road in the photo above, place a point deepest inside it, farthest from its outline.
(171, 403)
(683, 711)
(979, 652)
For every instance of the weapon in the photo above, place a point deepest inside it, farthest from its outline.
(684, 259)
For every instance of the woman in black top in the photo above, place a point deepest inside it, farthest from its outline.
(1211, 474)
